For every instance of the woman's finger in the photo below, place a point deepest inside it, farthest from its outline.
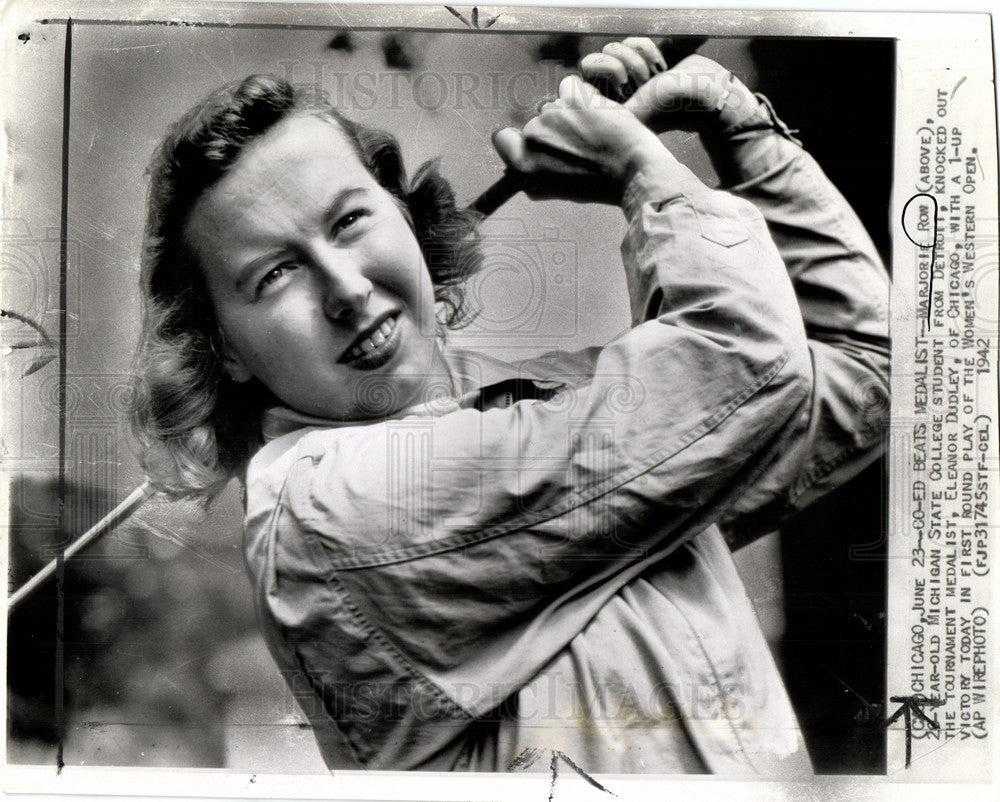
(622, 67)
(606, 72)
(548, 104)
(649, 51)
(578, 94)
(635, 63)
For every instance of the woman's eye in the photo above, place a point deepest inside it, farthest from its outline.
(348, 220)
(272, 276)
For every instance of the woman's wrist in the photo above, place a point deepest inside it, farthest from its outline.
(752, 111)
(646, 154)
(656, 177)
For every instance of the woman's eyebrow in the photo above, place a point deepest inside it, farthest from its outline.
(332, 213)
(250, 268)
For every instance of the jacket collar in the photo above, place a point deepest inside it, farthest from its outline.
(470, 372)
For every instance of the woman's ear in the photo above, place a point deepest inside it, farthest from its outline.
(234, 367)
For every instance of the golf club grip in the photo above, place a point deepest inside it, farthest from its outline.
(497, 194)
(512, 182)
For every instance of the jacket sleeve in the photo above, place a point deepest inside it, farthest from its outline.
(417, 572)
(843, 295)
(442, 528)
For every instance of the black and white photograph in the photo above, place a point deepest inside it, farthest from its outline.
(466, 402)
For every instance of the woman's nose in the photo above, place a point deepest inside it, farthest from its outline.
(346, 289)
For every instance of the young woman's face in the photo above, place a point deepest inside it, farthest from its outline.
(318, 281)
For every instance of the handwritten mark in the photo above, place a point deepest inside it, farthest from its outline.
(910, 706)
(975, 152)
(475, 18)
(923, 246)
(525, 760)
(29, 322)
(41, 340)
(953, 91)
(530, 756)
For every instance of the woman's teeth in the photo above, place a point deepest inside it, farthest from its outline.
(369, 344)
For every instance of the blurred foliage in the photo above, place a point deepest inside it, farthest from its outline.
(144, 615)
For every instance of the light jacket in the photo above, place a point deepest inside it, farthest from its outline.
(538, 563)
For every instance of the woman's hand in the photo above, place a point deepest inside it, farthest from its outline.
(695, 93)
(581, 146)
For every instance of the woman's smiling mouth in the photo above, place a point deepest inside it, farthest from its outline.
(375, 346)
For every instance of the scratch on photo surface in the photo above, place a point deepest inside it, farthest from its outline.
(982, 170)
(466, 120)
(941, 745)
(165, 533)
(849, 688)
(215, 66)
(420, 120)
(135, 47)
(926, 754)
